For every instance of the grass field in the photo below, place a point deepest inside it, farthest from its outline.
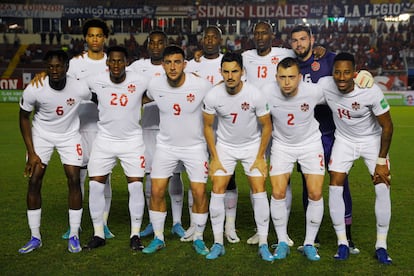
(179, 258)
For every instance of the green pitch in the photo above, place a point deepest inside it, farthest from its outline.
(179, 258)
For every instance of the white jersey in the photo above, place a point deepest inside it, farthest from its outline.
(55, 111)
(119, 105)
(181, 121)
(207, 68)
(355, 113)
(262, 69)
(293, 118)
(81, 68)
(237, 114)
(151, 116)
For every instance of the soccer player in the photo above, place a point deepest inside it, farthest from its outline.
(179, 97)
(157, 41)
(363, 129)
(296, 138)
(241, 111)
(260, 67)
(208, 67)
(119, 97)
(55, 125)
(302, 41)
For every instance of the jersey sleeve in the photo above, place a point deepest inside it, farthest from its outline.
(208, 103)
(28, 100)
(380, 103)
(262, 106)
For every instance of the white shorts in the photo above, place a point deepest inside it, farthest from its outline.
(88, 137)
(195, 160)
(229, 156)
(105, 153)
(69, 148)
(310, 157)
(344, 153)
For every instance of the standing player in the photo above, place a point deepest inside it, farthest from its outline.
(296, 138)
(119, 136)
(55, 125)
(312, 70)
(241, 111)
(157, 41)
(208, 67)
(363, 129)
(179, 97)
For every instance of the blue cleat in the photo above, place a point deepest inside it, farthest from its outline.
(265, 253)
(33, 244)
(382, 256)
(342, 253)
(147, 231)
(108, 233)
(178, 230)
(311, 252)
(155, 245)
(74, 245)
(216, 251)
(65, 236)
(200, 247)
(282, 250)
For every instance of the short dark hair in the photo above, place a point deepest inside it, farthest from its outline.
(60, 54)
(232, 56)
(345, 56)
(214, 28)
(95, 23)
(171, 50)
(158, 32)
(264, 23)
(301, 28)
(117, 49)
(288, 62)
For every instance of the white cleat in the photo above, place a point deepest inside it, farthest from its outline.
(232, 236)
(188, 236)
(253, 239)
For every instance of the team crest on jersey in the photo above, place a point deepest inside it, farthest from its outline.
(190, 97)
(315, 66)
(304, 107)
(275, 60)
(70, 101)
(245, 106)
(132, 88)
(356, 106)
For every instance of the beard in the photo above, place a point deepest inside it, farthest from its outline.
(304, 54)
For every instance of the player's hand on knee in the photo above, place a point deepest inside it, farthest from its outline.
(261, 165)
(33, 160)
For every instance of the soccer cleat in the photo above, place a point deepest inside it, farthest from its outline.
(65, 236)
(311, 252)
(290, 242)
(147, 231)
(155, 245)
(382, 256)
(216, 251)
(265, 253)
(74, 245)
(178, 230)
(135, 243)
(232, 236)
(200, 247)
(33, 244)
(352, 248)
(253, 239)
(108, 233)
(282, 250)
(342, 253)
(188, 236)
(95, 242)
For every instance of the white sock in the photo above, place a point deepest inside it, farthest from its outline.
(176, 191)
(230, 203)
(200, 221)
(136, 206)
(217, 216)
(190, 206)
(314, 215)
(108, 199)
(337, 212)
(33, 218)
(288, 202)
(75, 217)
(279, 213)
(148, 189)
(83, 173)
(261, 215)
(382, 213)
(97, 206)
(158, 221)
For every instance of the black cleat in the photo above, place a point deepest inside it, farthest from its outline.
(95, 242)
(135, 243)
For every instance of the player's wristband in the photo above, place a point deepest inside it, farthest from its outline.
(381, 161)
